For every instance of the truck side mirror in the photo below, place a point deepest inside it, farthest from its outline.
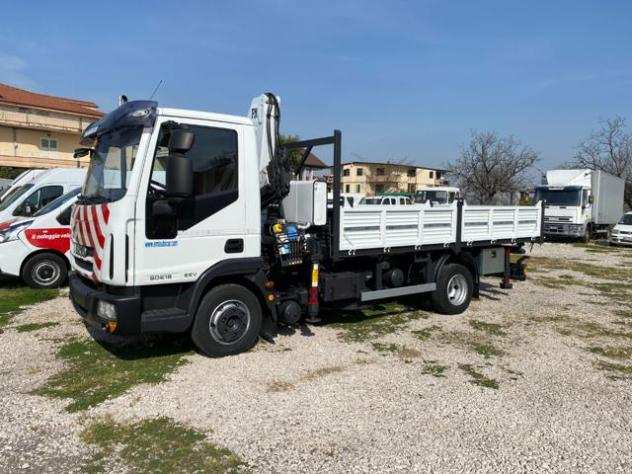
(591, 199)
(179, 179)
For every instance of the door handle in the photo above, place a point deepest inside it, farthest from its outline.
(234, 246)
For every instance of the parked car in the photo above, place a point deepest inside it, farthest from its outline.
(621, 233)
(30, 195)
(385, 200)
(36, 248)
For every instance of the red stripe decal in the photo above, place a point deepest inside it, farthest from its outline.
(106, 212)
(97, 260)
(97, 227)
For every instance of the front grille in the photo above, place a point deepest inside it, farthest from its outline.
(84, 264)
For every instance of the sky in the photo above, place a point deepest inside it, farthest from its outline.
(404, 81)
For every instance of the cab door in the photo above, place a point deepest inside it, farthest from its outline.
(210, 225)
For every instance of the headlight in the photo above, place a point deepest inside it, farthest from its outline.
(13, 231)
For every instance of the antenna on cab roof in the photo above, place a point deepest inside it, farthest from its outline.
(156, 89)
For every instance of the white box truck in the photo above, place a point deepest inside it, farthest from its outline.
(580, 203)
(196, 227)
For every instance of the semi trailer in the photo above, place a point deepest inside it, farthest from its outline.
(580, 203)
(191, 221)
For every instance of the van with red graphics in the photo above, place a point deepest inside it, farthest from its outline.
(33, 191)
(36, 248)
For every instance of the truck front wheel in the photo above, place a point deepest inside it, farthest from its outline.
(454, 289)
(227, 321)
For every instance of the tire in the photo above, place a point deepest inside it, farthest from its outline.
(228, 321)
(45, 270)
(455, 286)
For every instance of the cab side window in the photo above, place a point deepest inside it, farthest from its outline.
(38, 199)
(214, 156)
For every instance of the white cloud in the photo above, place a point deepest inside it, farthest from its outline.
(12, 71)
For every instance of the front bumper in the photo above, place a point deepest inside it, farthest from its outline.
(12, 256)
(620, 239)
(85, 298)
(564, 229)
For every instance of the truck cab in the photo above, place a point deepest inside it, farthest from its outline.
(580, 203)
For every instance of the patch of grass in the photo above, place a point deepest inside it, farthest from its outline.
(97, 372)
(322, 372)
(619, 371)
(478, 378)
(431, 367)
(487, 350)
(35, 326)
(623, 313)
(479, 344)
(595, 271)
(591, 329)
(612, 352)
(490, 328)
(158, 445)
(280, 386)
(425, 333)
(403, 352)
(374, 322)
(12, 299)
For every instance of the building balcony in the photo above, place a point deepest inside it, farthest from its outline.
(43, 121)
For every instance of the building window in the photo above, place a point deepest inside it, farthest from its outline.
(358, 188)
(412, 188)
(412, 173)
(359, 172)
(431, 174)
(438, 174)
(379, 171)
(347, 188)
(346, 172)
(48, 144)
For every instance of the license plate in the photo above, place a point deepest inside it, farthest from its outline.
(82, 251)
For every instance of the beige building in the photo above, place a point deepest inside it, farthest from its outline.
(377, 178)
(41, 131)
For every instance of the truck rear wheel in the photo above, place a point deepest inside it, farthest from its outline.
(454, 289)
(227, 321)
(45, 270)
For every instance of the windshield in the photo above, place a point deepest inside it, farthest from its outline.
(54, 204)
(370, 201)
(13, 195)
(559, 197)
(626, 219)
(112, 159)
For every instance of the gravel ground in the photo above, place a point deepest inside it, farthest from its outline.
(313, 402)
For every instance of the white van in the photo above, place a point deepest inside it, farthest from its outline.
(24, 177)
(29, 196)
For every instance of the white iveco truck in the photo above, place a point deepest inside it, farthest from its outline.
(580, 203)
(190, 222)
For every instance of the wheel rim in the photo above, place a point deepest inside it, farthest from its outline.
(45, 273)
(229, 322)
(457, 289)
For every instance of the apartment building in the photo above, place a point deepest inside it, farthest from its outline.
(42, 131)
(376, 178)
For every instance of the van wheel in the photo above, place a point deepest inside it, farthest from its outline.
(45, 270)
(454, 289)
(227, 321)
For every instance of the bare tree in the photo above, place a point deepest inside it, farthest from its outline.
(608, 149)
(489, 165)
